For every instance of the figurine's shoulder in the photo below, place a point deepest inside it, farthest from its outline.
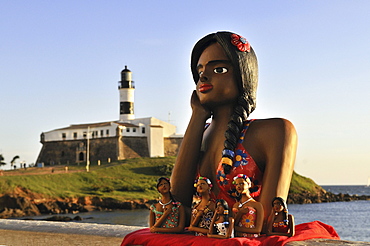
(272, 126)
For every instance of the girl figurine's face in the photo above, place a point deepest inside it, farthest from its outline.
(163, 186)
(202, 186)
(219, 208)
(216, 85)
(241, 185)
(278, 206)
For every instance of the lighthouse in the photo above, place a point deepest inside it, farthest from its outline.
(126, 89)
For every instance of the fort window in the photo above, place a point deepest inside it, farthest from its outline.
(75, 135)
(127, 129)
(84, 134)
(101, 133)
(134, 129)
(63, 136)
(107, 133)
(81, 156)
(143, 130)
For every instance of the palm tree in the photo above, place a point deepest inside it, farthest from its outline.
(13, 160)
(2, 163)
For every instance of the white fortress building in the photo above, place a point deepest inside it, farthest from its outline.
(113, 140)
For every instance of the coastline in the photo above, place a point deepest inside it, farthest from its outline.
(24, 232)
(16, 238)
(44, 233)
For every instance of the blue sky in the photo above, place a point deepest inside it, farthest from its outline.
(60, 64)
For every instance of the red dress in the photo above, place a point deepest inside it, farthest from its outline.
(243, 164)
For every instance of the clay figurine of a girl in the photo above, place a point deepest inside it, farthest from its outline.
(280, 222)
(202, 212)
(166, 216)
(225, 71)
(248, 213)
(222, 224)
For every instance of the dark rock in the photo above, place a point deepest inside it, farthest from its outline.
(78, 218)
(58, 218)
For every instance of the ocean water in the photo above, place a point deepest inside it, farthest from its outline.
(351, 220)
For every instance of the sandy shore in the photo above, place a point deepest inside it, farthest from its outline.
(42, 233)
(23, 238)
(39, 233)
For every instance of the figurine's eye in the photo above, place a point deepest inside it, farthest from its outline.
(200, 73)
(220, 70)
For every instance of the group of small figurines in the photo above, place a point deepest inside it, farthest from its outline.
(214, 218)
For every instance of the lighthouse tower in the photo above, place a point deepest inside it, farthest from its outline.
(126, 89)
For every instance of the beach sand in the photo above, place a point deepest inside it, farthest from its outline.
(28, 238)
(39, 233)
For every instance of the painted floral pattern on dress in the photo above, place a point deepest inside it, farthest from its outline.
(248, 220)
(240, 158)
(221, 177)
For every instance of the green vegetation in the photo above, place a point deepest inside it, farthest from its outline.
(300, 184)
(124, 180)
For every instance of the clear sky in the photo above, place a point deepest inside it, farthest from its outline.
(60, 64)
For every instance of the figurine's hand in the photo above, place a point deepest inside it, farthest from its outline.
(153, 229)
(197, 107)
(167, 211)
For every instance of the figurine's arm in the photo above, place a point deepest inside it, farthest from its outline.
(195, 220)
(163, 218)
(151, 218)
(236, 213)
(178, 228)
(290, 233)
(229, 231)
(291, 225)
(184, 171)
(212, 225)
(269, 223)
(276, 140)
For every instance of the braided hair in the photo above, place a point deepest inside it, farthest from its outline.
(285, 211)
(168, 180)
(244, 62)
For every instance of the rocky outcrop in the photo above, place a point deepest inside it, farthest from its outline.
(25, 203)
(322, 196)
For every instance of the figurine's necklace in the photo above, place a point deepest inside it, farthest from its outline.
(164, 204)
(241, 204)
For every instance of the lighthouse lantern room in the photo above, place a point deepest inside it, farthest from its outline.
(126, 89)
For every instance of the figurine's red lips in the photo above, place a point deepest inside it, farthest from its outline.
(205, 87)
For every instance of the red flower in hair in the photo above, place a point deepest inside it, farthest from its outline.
(240, 42)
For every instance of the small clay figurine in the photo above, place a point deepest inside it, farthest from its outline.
(222, 224)
(166, 216)
(248, 213)
(280, 222)
(202, 212)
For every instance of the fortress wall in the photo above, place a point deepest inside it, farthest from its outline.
(171, 146)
